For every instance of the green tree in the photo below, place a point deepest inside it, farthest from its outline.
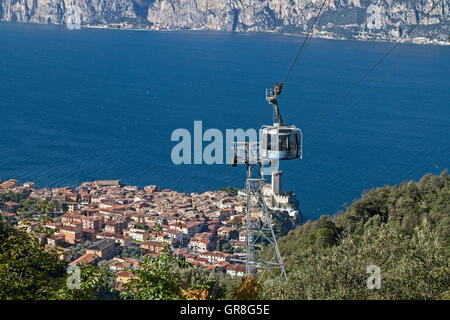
(237, 222)
(12, 196)
(45, 211)
(80, 249)
(27, 270)
(232, 191)
(155, 279)
(410, 269)
(4, 226)
(403, 229)
(131, 252)
(282, 223)
(29, 205)
(219, 245)
(325, 237)
(227, 247)
(64, 207)
(96, 283)
(216, 284)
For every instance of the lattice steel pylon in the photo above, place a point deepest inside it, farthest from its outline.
(258, 229)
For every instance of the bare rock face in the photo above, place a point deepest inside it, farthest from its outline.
(341, 19)
(232, 15)
(55, 11)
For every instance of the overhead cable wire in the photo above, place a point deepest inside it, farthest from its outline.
(305, 41)
(364, 76)
(299, 53)
(314, 132)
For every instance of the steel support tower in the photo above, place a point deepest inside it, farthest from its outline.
(259, 230)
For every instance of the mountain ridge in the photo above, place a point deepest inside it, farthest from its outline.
(382, 20)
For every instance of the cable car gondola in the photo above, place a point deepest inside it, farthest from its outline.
(279, 141)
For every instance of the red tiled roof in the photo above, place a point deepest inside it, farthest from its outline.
(236, 267)
(127, 274)
(85, 259)
(69, 229)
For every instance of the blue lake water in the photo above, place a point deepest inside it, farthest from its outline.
(81, 105)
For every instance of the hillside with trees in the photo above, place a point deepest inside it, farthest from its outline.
(402, 229)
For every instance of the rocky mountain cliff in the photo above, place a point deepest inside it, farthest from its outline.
(57, 11)
(342, 19)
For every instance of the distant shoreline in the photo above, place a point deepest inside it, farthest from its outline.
(418, 40)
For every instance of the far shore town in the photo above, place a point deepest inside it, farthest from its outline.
(107, 223)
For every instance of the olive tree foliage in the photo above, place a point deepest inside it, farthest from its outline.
(218, 285)
(410, 269)
(3, 225)
(166, 277)
(131, 252)
(157, 278)
(27, 270)
(79, 249)
(322, 232)
(95, 283)
(283, 223)
(30, 272)
(403, 230)
(44, 211)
